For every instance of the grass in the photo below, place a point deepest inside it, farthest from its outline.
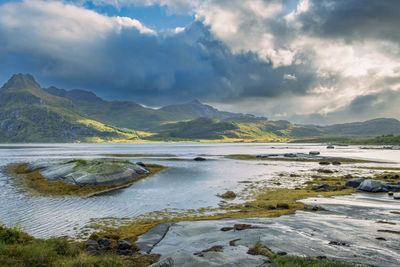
(291, 261)
(36, 184)
(21, 250)
(258, 206)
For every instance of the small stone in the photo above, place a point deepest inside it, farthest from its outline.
(199, 159)
(390, 193)
(271, 207)
(281, 253)
(339, 243)
(282, 206)
(123, 245)
(322, 186)
(125, 252)
(396, 197)
(241, 227)
(225, 229)
(92, 250)
(396, 176)
(354, 182)
(321, 257)
(381, 238)
(105, 244)
(92, 243)
(336, 163)
(314, 208)
(228, 195)
(349, 176)
(324, 163)
(141, 164)
(232, 243)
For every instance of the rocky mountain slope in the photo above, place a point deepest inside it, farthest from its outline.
(29, 113)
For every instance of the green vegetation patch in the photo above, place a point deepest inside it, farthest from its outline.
(290, 261)
(99, 166)
(21, 250)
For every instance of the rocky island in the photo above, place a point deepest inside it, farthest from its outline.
(79, 178)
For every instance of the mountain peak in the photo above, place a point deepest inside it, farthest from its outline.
(21, 81)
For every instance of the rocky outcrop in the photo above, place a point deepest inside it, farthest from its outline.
(91, 172)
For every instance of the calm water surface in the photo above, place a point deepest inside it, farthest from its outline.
(185, 185)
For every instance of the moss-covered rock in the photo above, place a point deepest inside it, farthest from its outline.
(79, 177)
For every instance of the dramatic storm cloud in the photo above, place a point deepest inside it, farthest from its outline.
(312, 61)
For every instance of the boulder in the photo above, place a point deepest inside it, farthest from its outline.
(373, 186)
(322, 186)
(355, 182)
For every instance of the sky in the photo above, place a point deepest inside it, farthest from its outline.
(307, 61)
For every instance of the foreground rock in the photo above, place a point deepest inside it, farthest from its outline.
(347, 231)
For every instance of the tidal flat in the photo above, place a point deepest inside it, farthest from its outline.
(186, 197)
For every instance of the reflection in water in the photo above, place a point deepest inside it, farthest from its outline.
(186, 184)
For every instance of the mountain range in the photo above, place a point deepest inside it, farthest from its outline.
(29, 113)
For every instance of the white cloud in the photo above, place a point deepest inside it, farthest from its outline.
(289, 77)
(245, 26)
(57, 28)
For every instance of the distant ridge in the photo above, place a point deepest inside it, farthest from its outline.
(29, 113)
(196, 109)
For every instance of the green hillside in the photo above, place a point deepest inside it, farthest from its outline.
(29, 114)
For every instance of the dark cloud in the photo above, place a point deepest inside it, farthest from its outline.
(156, 69)
(353, 19)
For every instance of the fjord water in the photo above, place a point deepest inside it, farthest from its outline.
(184, 185)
